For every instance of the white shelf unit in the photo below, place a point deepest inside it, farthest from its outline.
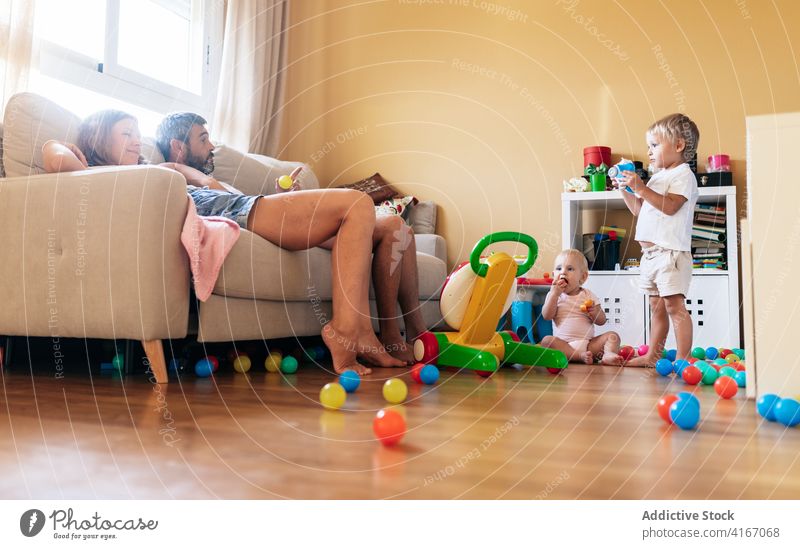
(713, 299)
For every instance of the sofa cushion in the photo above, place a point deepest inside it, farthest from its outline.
(422, 217)
(375, 186)
(255, 174)
(29, 121)
(256, 268)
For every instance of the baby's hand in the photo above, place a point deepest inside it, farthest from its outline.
(632, 180)
(559, 285)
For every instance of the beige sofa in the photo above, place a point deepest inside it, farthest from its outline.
(97, 253)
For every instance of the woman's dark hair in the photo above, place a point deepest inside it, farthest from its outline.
(94, 136)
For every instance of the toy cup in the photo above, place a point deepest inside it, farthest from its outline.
(615, 171)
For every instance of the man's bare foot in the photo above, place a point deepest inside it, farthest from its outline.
(343, 352)
(368, 347)
(611, 359)
(587, 357)
(641, 362)
(399, 349)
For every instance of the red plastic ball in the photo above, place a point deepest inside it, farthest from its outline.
(663, 406)
(716, 367)
(723, 353)
(726, 387)
(627, 352)
(555, 371)
(739, 367)
(389, 427)
(415, 370)
(692, 375)
(483, 373)
(214, 362)
(693, 360)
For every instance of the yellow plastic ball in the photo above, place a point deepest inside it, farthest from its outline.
(395, 390)
(285, 182)
(731, 358)
(273, 362)
(241, 364)
(332, 396)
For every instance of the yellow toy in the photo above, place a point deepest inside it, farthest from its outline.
(473, 300)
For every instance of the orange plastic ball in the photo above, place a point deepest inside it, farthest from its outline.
(389, 426)
(663, 406)
(726, 387)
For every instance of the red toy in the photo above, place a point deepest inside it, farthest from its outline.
(663, 407)
(723, 353)
(692, 375)
(389, 427)
(627, 352)
(726, 387)
(415, 370)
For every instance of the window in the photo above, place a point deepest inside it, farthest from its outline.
(145, 56)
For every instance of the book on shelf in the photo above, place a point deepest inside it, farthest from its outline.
(708, 228)
(707, 255)
(706, 250)
(710, 209)
(708, 235)
(712, 219)
(699, 243)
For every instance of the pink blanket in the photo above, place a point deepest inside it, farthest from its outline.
(207, 241)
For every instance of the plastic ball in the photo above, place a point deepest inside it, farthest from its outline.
(672, 354)
(663, 406)
(204, 368)
(731, 358)
(415, 370)
(389, 426)
(643, 349)
(285, 182)
(626, 352)
(429, 374)
(739, 367)
(241, 363)
(692, 375)
(332, 396)
(679, 365)
(728, 371)
(118, 361)
(710, 376)
(711, 353)
(685, 412)
(664, 367)
(721, 362)
(289, 365)
(787, 412)
(726, 387)
(663, 353)
(692, 360)
(741, 378)
(350, 380)
(310, 354)
(321, 351)
(214, 362)
(766, 406)
(273, 362)
(395, 390)
(699, 353)
(723, 353)
(739, 353)
(701, 365)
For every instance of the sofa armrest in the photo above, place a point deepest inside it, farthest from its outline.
(95, 253)
(432, 244)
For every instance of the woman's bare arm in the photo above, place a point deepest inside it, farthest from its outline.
(59, 156)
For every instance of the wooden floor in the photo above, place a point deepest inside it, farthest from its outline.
(592, 432)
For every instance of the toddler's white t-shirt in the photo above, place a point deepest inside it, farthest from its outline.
(673, 232)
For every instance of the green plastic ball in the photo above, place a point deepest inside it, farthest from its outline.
(739, 353)
(699, 353)
(710, 376)
(729, 371)
(289, 365)
(118, 361)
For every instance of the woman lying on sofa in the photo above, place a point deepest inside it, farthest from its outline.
(112, 138)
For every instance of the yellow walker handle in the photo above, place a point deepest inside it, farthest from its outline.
(481, 269)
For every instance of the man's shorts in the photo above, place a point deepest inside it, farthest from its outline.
(211, 202)
(664, 272)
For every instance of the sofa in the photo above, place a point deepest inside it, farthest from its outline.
(97, 253)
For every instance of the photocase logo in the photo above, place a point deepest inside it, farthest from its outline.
(31, 522)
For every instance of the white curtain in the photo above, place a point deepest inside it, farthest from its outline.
(250, 93)
(16, 46)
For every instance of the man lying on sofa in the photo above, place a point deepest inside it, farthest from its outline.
(184, 140)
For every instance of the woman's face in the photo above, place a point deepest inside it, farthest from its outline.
(125, 142)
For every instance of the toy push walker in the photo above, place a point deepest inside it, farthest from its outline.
(474, 298)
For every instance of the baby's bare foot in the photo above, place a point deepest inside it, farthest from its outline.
(343, 353)
(587, 357)
(611, 359)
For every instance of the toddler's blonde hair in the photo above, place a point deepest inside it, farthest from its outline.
(677, 126)
(572, 251)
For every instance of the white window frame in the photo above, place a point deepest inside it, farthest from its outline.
(107, 77)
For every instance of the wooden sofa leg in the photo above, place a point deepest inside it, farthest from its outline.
(155, 356)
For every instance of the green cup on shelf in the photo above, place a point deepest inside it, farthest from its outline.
(598, 181)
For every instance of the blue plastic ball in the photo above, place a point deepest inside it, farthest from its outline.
(350, 380)
(679, 365)
(741, 378)
(766, 406)
(787, 412)
(203, 368)
(321, 351)
(429, 374)
(672, 354)
(685, 412)
(712, 353)
(664, 367)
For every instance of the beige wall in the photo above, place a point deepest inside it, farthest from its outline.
(485, 106)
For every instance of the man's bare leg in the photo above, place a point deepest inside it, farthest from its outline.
(608, 345)
(408, 293)
(658, 334)
(298, 221)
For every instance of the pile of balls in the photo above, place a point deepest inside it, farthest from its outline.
(785, 411)
(722, 368)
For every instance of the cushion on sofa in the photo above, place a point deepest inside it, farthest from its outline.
(256, 268)
(255, 173)
(29, 121)
(422, 217)
(375, 186)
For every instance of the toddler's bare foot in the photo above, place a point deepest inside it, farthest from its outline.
(399, 349)
(611, 359)
(641, 362)
(343, 352)
(587, 357)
